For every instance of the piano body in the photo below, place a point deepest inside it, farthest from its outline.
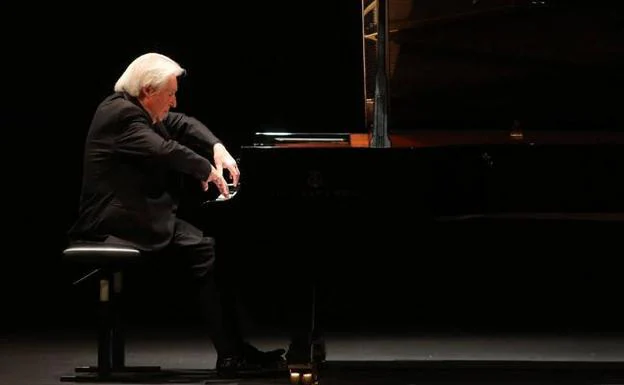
(488, 142)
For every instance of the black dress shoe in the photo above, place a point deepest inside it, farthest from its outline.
(252, 361)
(268, 359)
(229, 367)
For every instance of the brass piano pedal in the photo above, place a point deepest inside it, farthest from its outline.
(304, 375)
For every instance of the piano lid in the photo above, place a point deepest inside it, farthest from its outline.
(498, 64)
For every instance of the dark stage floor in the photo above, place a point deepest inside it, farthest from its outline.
(40, 358)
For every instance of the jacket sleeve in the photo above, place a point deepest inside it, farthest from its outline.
(190, 132)
(137, 138)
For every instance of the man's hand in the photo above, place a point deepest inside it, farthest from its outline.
(223, 160)
(216, 177)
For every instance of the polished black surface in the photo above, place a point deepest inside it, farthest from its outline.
(488, 237)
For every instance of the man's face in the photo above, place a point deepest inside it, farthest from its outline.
(158, 102)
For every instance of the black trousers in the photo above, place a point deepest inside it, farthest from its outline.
(217, 303)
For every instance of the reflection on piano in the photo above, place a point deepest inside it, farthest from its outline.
(501, 142)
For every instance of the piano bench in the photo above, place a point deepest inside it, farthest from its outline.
(108, 262)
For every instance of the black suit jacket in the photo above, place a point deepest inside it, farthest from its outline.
(130, 173)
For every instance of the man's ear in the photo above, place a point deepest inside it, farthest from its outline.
(147, 91)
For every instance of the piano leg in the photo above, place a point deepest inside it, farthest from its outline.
(307, 347)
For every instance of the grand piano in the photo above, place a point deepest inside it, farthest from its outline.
(491, 141)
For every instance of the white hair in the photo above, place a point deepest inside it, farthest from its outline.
(150, 69)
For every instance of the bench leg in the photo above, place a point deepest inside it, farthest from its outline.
(111, 366)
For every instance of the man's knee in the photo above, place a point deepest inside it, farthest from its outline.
(202, 257)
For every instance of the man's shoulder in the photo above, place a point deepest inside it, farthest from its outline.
(120, 105)
(114, 112)
(118, 100)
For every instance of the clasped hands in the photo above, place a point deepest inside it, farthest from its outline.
(222, 160)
